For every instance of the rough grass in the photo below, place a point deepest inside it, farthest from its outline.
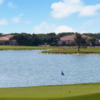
(71, 50)
(11, 47)
(54, 49)
(89, 91)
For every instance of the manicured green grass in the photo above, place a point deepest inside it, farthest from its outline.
(71, 50)
(14, 47)
(88, 91)
(84, 97)
(9, 47)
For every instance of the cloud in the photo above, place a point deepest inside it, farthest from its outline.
(1, 1)
(65, 8)
(89, 10)
(11, 5)
(17, 19)
(61, 29)
(3, 21)
(44, 27)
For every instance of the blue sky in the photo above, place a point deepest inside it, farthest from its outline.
(44, 16)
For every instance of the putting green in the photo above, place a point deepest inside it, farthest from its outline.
(65, 92)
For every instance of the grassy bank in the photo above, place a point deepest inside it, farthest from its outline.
(90, 91)
(9, 47)
(53, 49)
(71, 50)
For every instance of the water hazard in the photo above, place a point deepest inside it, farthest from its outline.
(28, 68)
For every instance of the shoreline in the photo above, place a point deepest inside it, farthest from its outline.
(72, 53)
(50, 53)
(52, 85)
(22, 49)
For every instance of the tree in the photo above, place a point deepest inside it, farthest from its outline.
(83, 43)
(92, 40)
(35, 41)
(1, 34)
(80, 41)
(65, 34)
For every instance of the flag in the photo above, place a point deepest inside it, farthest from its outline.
(62, 73)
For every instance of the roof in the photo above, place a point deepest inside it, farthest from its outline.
(6, 38)
(71, 37)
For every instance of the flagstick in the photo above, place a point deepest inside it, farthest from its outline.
(61, 81)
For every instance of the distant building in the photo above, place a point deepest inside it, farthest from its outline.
(5, 40)
(67, 40)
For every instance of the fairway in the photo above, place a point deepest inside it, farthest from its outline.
(56, 92)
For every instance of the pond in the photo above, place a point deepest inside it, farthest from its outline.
(29, 68)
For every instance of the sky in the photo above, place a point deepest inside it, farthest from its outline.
(45, 16)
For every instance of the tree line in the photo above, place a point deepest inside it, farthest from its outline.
(41, 39)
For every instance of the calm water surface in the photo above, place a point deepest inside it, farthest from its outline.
(28, 68)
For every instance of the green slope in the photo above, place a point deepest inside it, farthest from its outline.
(52, 92)
(83, 97)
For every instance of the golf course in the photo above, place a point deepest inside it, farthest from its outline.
(86, 91)
(50, 50)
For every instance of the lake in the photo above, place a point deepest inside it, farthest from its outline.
(28, 68)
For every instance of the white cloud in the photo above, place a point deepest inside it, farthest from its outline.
(47, 28)
(65, 8)
(61, 29)
(44, 28)
(17, 19)
(1, 1)
(11, 5)
(3, 21)
(89, 10)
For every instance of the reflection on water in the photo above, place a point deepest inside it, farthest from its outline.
(28, 68)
